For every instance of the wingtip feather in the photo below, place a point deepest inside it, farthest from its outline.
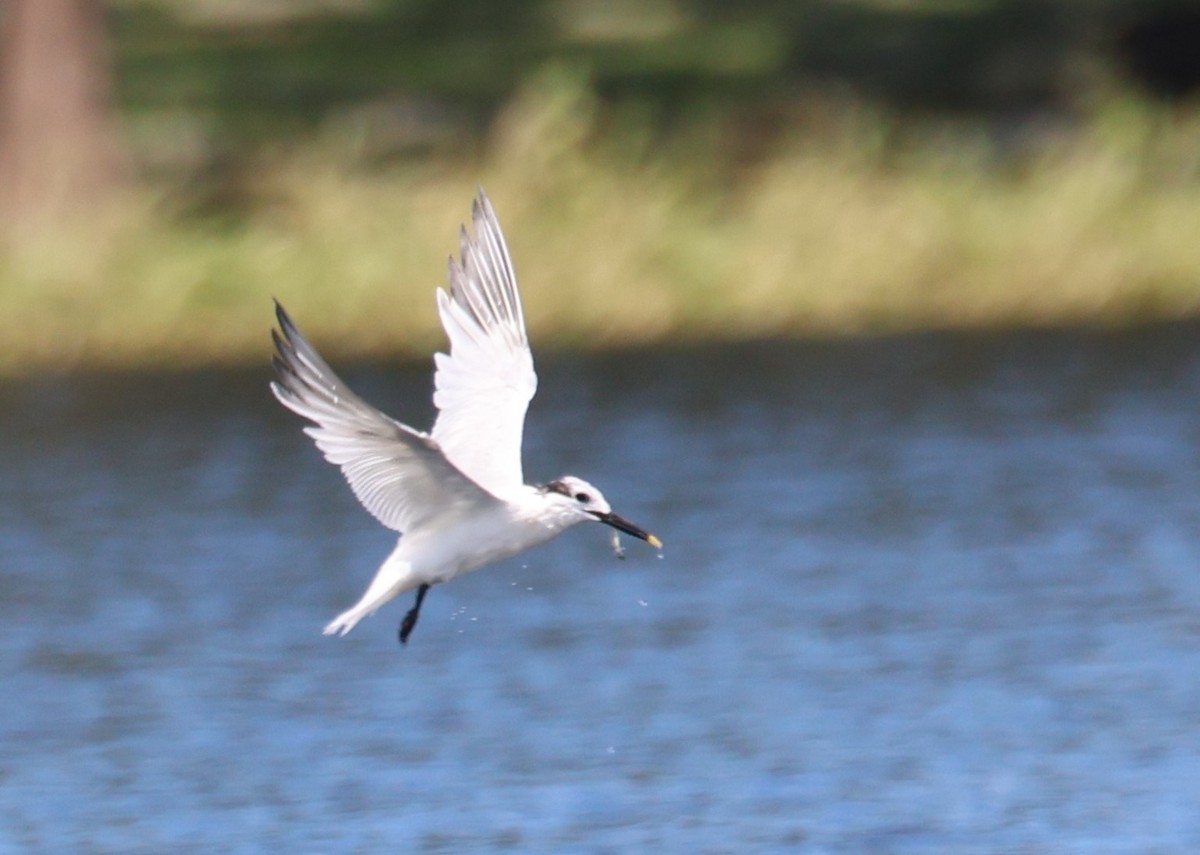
(282, 316)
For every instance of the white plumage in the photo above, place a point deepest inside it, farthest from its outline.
(457, 494)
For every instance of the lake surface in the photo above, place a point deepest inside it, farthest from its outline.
(926, 594)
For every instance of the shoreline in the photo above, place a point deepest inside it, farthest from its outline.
(820, 237)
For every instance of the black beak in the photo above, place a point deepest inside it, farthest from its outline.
(622, 524)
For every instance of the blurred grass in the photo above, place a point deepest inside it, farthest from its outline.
(623, 234)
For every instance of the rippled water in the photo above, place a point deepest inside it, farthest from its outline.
(931, 594)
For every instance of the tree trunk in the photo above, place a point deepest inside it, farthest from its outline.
(61, 156)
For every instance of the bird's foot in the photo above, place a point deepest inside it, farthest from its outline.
(406, 625)
(410, 618)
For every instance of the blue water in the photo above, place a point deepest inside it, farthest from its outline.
(927, 594)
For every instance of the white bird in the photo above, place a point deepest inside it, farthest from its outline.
(456, 494)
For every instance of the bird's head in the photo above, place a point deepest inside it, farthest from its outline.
(584, 503)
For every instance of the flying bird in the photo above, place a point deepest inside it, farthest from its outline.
(456, 494)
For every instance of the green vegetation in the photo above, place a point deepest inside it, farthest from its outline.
(845, 218)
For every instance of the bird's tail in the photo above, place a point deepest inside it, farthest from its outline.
(347, 620)
(393, 578)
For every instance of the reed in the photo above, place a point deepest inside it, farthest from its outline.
(620, 236)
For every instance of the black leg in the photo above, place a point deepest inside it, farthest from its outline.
(410, 619)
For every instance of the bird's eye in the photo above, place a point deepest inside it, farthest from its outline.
(582, 498)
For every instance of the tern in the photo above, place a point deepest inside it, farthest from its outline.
(456, 495)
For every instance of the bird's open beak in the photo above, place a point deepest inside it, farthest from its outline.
(622, 524)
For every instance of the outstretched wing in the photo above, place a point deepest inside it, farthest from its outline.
(483, 388)
(400, 475)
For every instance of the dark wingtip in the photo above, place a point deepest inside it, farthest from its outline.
(285, 352)
(482, 208)
(281, 315)
(283, 368)
(283, 359)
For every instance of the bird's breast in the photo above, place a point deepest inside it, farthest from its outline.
(459, 546)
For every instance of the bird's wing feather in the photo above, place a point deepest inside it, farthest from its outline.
(400, 475)
(483, 387)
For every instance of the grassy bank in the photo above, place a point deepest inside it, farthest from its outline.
(623, 235)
